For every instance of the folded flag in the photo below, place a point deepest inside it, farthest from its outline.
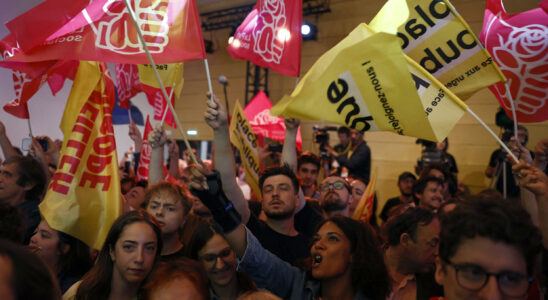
(366, 82)
(437, 37)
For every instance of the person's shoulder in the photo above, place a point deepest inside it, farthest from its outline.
(70, 294)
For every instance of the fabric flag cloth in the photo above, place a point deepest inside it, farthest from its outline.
(366, 82)
(146, 151)
(243, 138)
(127, 83)
(103, 31)
(84, 195)
(270, 36)
(364, 210)
(437, 37)
(172, 77)
(28, 78)
(519, 45)
(264, 124)
(122, 116)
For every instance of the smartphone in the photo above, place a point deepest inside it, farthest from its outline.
(25, 144)
(43, 143)
(275, 147)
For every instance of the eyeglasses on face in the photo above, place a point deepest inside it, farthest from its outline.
(338, 185)
(212, 257)
(473, 277)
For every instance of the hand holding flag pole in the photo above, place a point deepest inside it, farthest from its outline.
(160, 82)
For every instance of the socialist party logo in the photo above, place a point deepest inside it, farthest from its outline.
(522, 55)
(118, 34)
(269, 43)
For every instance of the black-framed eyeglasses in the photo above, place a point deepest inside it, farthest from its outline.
(473, 277)
(211, 257)
(338, 185)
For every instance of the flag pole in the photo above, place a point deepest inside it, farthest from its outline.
(209, 81)
(30, 129)
(502, 144)
(165, 110)
(160, 82)
(514, 116)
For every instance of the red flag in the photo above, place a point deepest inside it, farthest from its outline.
(263, 123)
(270, 36)
(127, 83)
(103, 31)
(60, 72)
(156, 99)
(519, 45)
(146, 150)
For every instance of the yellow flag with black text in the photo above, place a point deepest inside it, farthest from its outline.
(170, 74)
(243, 138)
(367, 83)
(434, 35)
(84, 196)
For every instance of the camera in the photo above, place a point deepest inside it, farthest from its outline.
(321, 135)
(430, 155)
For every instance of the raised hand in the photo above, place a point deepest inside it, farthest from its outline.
(215, 115)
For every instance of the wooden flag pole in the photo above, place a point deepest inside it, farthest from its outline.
(165, 110)
(160, 82)
(513, 107)
(209, 81)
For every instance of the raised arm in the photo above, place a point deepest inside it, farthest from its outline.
(216, 118)
(5, 143)
(541, 154)
(156, 139)
(536, 181)
(289, 152)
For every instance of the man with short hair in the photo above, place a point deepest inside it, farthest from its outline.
(335, 196)
(410, 253)
(308, 168)
(488, 249)
(344, 138)
(357, 161)
(406, 180)
(428, 193)
(22, 182)
(279, 190)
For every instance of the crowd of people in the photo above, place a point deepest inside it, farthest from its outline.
(203, 234)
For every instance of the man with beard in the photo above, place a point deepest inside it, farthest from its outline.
(335, 196)
(406, 180)
(412, 239)
(279, 190)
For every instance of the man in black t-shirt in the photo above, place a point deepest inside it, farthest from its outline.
(406, 180)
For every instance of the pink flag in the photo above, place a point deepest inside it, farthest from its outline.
(127, 83)
(270, 36)
(146, 150)
(103, 31)
(263, 123)
(519, 45)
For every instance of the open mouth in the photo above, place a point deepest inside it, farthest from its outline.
(316, 260)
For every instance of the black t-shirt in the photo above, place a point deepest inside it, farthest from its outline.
(292, 249)
(392, 202)
(175, 255)
(308, 218)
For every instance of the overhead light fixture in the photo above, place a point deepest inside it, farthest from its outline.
(309, 31)
(192, 132)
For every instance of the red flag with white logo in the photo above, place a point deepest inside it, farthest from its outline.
(270, 36)
(263, 123)
(519, 45)
(127, 83)
(103, 31)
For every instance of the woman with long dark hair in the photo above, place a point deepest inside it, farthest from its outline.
(129, 253)
(215, 254)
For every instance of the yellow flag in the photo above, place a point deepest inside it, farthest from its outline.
(433, 34)
(83, 198)
(364, 82)
(364, 210)
(171, 75)
(243, 138)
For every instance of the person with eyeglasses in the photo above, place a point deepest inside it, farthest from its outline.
(211, 249)
(335, 196)
(488, 249)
